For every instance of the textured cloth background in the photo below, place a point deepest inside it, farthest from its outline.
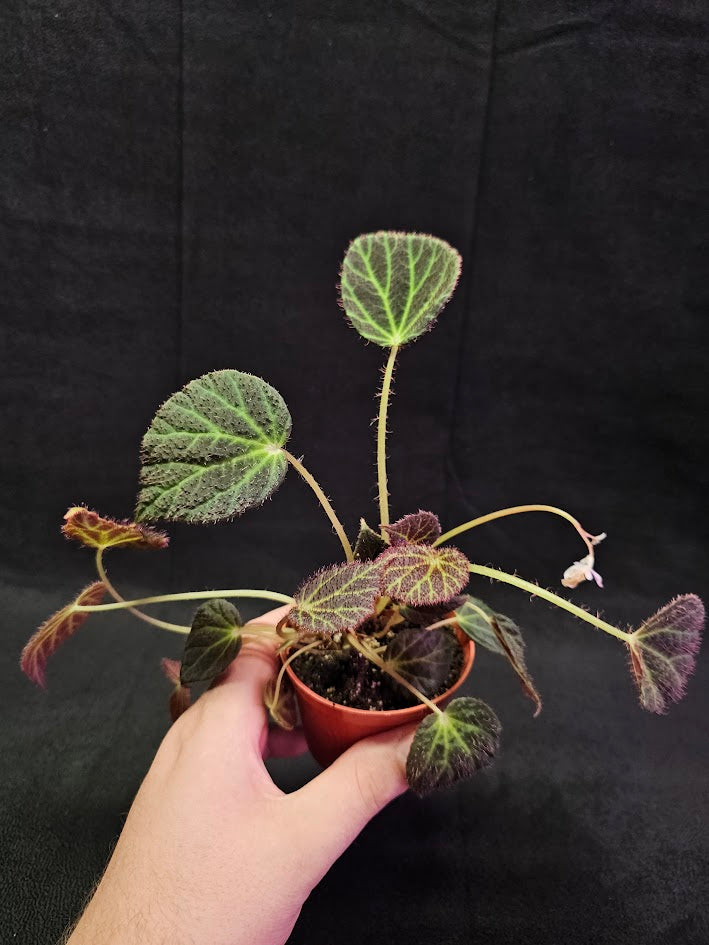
(178, 183)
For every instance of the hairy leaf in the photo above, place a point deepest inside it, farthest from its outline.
(421, 575)
(180, 697)
(283, 709)
(500, 634)
(213, 641)
(418, 528)
(213, 449)
(452, 746)
(422, 657)
(96, 531)
(663, 652)
(369, 543)
(393, 285)
(339, 597)
(54, 631)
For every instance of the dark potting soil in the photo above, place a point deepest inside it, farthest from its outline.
(348, 678)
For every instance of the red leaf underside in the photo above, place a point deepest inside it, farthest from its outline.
(96, 531)
(54, 631)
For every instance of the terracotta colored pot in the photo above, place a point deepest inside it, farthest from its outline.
(330, 728)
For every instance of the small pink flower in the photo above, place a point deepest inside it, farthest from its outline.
(581, 571)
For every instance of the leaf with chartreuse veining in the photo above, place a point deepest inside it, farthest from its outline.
(500, 634)
(393, 285)
(213, 641)
(369, 543)
(420, 574)
(451, 746)
(419, 528)
(663, 652)
(96, 531)
(422, 657)
(282, 707)
(213, 450)
(339, 597)
(55, 630)
(180, 696)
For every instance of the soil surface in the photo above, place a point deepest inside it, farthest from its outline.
(341, 674)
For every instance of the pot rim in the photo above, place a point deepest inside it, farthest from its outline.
(468, 647)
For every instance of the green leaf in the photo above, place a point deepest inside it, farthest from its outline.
(369, 543)
(213, 642)
(474, 618)
(340, 597)
(393, 285)
(422, 657)
(282, 706)
(213, 449)
(420, 574)
(663, 652)
(453, 745)
(418, 528)
(500, 634)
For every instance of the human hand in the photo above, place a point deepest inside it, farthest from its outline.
(212, 852)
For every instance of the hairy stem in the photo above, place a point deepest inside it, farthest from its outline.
(382, 437)
(537, 591)
(162, 624)
(516, 510)
(374, 658)
(189, 595)
(324, 501)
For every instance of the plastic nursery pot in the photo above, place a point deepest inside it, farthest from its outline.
(331, 728)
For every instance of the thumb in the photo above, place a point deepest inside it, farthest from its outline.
(335, 806)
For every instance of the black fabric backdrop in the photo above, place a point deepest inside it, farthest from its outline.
(179, 182)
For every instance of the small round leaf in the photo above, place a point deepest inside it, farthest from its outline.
(214, 449)
(453, 745)
(213, 642)
(393, 285)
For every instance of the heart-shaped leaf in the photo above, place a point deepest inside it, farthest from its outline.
(421, 575)
(213, 642)
(452, 745)
(418, 528)
(422, 657)
(369, 543)
(180, 697)
(281, 705)
(663, 652)
(393, 285)
(214, 449)
(55, 630)
(95, 531)
(500, 634)
(340, 597)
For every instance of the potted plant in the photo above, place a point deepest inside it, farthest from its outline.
(387, 634)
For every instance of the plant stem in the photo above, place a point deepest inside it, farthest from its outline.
(537, 591)
(286, 664)
(374, 658)
(516, 510)
(190, 595)
(382, 436)
(162, 624)
(324, 501)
